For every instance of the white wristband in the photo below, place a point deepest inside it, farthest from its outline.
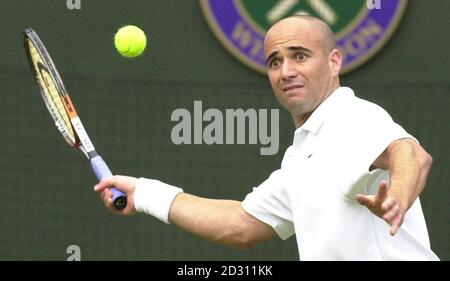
(155, 198)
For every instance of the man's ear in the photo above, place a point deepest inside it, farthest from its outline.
(335, 59)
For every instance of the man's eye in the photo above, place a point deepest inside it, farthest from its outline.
(300, 57)
(274, 64)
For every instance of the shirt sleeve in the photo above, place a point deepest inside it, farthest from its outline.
(270, 204)
(372, 132)
(375, 132)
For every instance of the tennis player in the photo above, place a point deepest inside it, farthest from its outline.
(350, 179)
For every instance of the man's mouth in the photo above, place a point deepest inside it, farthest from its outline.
(291, 87)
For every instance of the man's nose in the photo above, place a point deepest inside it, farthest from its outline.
(288, 70)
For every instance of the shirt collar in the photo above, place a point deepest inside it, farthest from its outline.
(325, 109)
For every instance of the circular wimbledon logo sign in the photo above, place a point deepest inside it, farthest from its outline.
(362, 27)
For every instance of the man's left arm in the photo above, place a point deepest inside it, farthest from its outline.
(408, 164)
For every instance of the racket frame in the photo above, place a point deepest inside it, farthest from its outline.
(80, 138)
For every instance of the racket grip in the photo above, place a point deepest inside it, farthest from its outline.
(102, 171)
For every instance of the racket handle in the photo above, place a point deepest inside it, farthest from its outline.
(102, 171)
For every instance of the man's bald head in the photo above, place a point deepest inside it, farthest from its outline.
(327, 39)
(302, 64)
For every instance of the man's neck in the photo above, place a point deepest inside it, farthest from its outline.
(301, 119)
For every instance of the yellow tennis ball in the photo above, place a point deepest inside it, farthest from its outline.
(130, 41)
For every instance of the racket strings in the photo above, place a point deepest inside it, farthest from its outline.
(50, 93)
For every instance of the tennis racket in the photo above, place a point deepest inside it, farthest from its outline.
(62, 110)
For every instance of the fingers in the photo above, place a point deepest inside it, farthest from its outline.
(106, 197)
(384, 206)
(105, 183)
(391, 213)
(366, 200)
(388, 204)
(122, 183)
(109, 203)
(382, 190)
(369, 200)
(105, 194)
(394, 217)
(396, 223)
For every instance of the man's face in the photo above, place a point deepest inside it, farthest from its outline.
(299, 71)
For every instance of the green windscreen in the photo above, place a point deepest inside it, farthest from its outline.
(48, 202)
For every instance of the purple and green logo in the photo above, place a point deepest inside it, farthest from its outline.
(362, 27)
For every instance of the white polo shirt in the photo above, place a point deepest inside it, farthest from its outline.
(313, 193)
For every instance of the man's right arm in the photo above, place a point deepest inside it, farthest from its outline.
(221, 221)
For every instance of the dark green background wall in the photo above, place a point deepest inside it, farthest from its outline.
(48, 202)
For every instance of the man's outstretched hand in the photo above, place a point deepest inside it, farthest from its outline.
(384, 205)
